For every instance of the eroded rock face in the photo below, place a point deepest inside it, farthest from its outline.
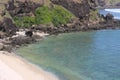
(23, 7)
(79, 8)
(8, 26)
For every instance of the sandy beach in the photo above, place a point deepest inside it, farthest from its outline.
(13, 67)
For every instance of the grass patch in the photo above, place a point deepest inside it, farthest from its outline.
(24, 21)
(60, 16)
(45, 15)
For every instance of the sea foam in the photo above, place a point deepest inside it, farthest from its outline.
(113, 10)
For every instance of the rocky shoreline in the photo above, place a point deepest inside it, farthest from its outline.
(23, 37)
(12, 36)
(77, 27)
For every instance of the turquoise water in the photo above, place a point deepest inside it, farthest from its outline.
(78, 56)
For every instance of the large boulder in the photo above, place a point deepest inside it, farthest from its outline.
(109, 18)
(29, 33)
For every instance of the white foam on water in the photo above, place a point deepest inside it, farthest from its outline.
(113, 10)
(116, 17)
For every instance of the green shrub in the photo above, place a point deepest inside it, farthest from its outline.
(24, 21)
(45, 15)
(60, 16)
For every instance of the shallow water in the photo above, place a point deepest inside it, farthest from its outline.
(78, 56)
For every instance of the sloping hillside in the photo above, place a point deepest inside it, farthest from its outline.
(63, 14)
(83, 9)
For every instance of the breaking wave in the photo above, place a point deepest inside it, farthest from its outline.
(113, 10)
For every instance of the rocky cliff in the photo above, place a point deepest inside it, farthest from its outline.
(50, 16)
(80, 8)
(60, 13)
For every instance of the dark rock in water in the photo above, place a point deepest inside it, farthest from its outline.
(29, 33)
(109, 18)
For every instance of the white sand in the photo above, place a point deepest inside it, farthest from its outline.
(14, 68)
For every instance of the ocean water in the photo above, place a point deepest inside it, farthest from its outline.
(115, 12)
(91, 55)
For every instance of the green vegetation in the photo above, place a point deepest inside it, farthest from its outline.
(94, 15)
(24, 21)
(45, 15)
(60, 16)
